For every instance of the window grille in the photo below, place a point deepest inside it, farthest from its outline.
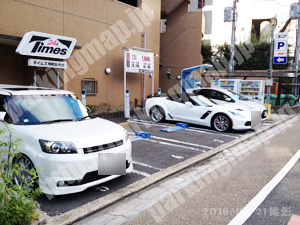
(90, 86)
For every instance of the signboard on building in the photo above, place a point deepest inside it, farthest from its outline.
(46, 45)
(281, 48)
(47, 63)
(139, 62)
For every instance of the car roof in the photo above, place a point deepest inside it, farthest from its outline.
(30, 90)
(210, 88)
(216, 89)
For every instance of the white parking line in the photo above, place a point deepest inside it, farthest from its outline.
(194, 129)
(216, 132)
(191, 127)
(181, 142)
(148, 123)
(179, 146)
(141, 173)
(216, 140)
(146, 165)
(177, 157)
(247, 211)
(220, 134)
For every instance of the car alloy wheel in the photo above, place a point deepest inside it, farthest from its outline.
(24, 179)
(221, 123)
(156, 114)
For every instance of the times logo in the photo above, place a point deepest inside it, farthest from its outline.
(51, 46)
(46, 45)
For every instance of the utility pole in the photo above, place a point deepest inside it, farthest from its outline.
(232, 49)
(297, 52)
(270, 72)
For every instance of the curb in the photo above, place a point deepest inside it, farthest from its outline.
(81, 212)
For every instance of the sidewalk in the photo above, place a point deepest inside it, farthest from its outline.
(214, 191)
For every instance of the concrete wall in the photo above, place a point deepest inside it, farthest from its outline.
(102, 28)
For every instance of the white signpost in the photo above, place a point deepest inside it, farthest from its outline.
(281, 48)
(39, 44)
(137, 61)
(47, 63)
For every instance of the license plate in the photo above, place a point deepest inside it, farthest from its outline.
(112, 164)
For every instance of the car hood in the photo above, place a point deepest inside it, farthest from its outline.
(84, 133)
(234, 107)
(253, 106)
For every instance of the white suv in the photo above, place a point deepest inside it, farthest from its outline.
(61, 140)
(222, 96)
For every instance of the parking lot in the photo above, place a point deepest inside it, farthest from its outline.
(150, 155)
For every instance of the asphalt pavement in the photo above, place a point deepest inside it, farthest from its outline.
(281, 203)
(150, 156)
(217, 190)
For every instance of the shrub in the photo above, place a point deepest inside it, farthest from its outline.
(93, 108)
(17, 202)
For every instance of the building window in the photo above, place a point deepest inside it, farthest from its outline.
(90, 86)
(209, 2)
(208, 22)
(130, 2)
(201, 4)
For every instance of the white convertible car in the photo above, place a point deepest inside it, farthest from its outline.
(197, 109)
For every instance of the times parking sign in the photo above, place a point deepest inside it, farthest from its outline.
(280, 48)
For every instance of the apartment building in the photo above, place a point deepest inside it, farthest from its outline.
(253, 16)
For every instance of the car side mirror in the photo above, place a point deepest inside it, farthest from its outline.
(228, 99)
(189, 104)
(88, 109)
(2, 115)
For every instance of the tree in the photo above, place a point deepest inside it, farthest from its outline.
(259, 59)
(17, 202)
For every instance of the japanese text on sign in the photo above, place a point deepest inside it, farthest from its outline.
(47, 63)
(139, 62)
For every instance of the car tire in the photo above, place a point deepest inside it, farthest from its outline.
(157, 114)
(221, 123)
(26, 166)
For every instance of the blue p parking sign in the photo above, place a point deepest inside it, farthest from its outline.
(280, 48)
(281, 45)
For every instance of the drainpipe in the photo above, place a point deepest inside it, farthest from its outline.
(144, 46)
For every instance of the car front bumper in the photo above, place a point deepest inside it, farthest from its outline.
(78, 171)
(241, 124)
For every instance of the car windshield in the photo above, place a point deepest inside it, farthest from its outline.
(202, 101)
(238, 96)
(38, 109)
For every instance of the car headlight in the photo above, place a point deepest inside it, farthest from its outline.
(126, 135)
(237, 114)
(57, 147)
